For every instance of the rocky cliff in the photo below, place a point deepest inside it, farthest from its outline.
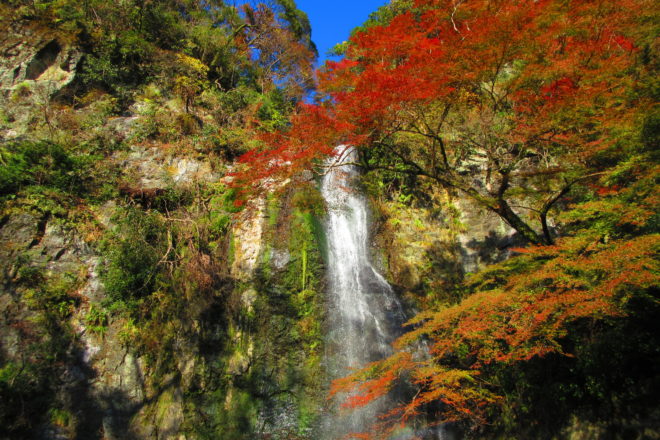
(136, 302)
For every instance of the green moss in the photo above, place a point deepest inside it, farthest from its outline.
(231, 253)
(305, 251)
(4, 119)
(272, 209)
(21, 91)
(96, 320)
(271, 356)
(308, 413)
(97, 110)
(60, 417)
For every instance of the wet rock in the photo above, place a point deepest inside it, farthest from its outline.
(279, 258)
(279, 420)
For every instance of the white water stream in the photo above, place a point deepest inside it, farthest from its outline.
(365, 316)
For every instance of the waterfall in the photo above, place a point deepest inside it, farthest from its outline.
(364, 314)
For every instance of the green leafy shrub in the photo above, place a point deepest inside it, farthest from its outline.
(188, 124)
(96, 320)
(273, 111)
(42, 163)
(134, 250)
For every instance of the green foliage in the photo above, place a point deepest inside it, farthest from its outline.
(118, 62)
(40, 163)
(135, 252)
(191, 80)
(220, 223)
(54, 299)
(305, 252)
(610, 376)
(650, 134)
(173, 198)
(308, 199)
(272, 352)
(96, 320)
(297, 21)
(132, 43)
(59, 417)
(385, 14)
(185, 71)
(273, 111)
(22, 90)
(382, 16)
(99, 107)
(20, 384)
(222, 207)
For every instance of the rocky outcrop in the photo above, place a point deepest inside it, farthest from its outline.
(155, 168)
(33, 54)
(248, 243)
(426, 250)
(36, 64)
(98, 369)
(106, 386)
(415, 245)
(484, 238)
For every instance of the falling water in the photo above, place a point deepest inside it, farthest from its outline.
(365, 315)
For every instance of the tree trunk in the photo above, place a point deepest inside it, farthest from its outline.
(508, 215)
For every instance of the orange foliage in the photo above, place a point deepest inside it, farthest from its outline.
(525, 318)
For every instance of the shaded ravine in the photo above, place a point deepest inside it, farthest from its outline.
(365, 315)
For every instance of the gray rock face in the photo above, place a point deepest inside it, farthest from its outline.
(280, 258)
(249, 246)
(107, 387)
(47, 244)
(425, 249)
(152, 168)
(32, 55)
(487, 238)
(17, 232)
(35, 66)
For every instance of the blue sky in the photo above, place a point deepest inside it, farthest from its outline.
(333, 20)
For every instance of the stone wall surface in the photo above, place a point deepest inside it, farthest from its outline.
(35, 65)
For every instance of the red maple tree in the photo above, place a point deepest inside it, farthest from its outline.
(503, 101)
